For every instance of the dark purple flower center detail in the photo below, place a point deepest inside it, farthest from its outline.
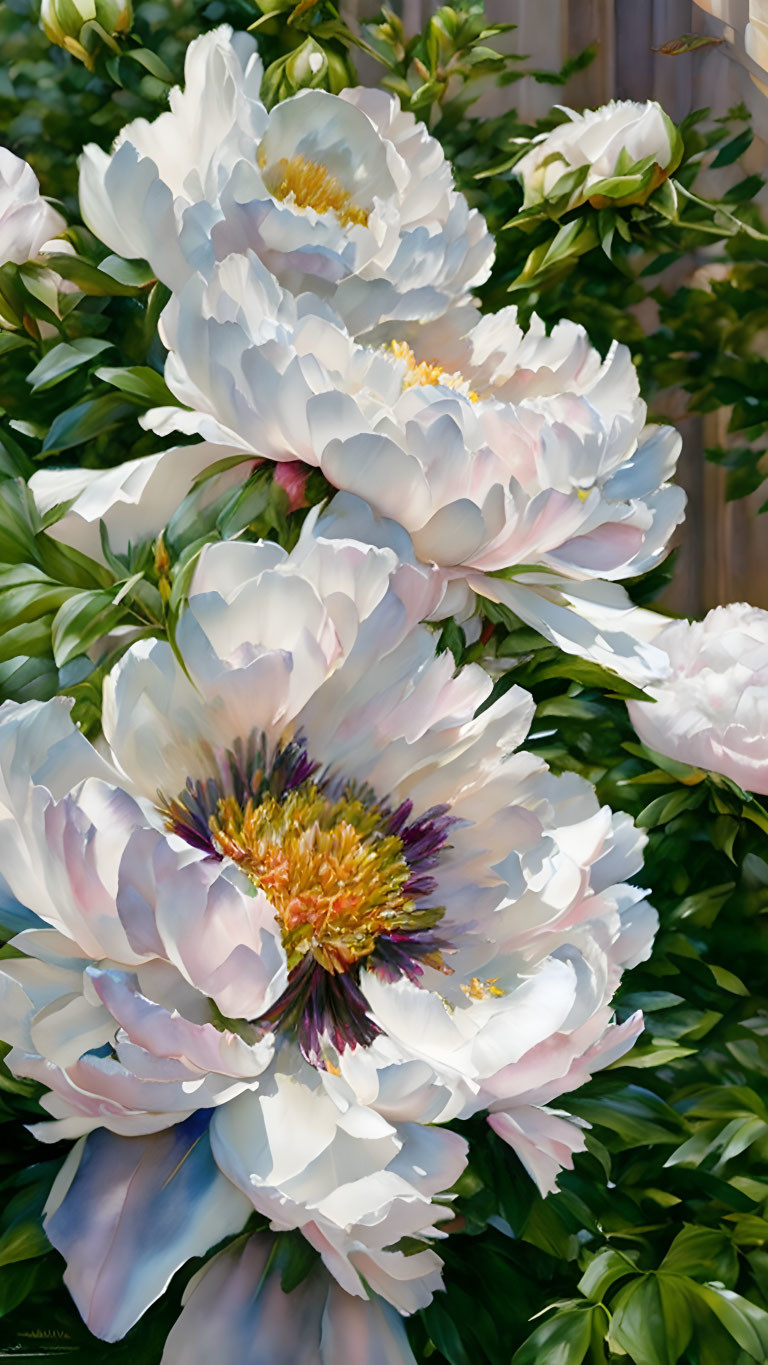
(245, 773)
(330, 936)
(330, 1008)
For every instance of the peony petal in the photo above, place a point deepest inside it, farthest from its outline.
(235, 1312)
(126, 1213)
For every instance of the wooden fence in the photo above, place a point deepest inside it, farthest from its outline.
(724, 546)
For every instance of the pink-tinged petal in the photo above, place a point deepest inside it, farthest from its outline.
(235, 1315)
(235, 1312)
(452, 535)
(101, 1092)
(368, 1333)
(376, 469)
(206, 921)
(544, 1141)
(407, 1282)
(85, 837)
(126, 1213)
(291, 476)
(165, 1034)
(564, 1062)
(607, 548)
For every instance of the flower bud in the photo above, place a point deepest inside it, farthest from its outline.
(307, 67)
(617, 154)
(80, 26)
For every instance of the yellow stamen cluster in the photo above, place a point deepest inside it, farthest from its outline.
(335, 880)
(482, 990)
(422, 372)
(310, 186)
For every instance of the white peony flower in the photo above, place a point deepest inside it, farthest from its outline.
(343, 195)
(302, 908)
(527, 476)
(609, 141)
(712, 711)
(27, 221)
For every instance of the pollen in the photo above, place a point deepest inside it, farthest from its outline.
(308, 185)
(335, 878)
(482, 990)
(420, 373)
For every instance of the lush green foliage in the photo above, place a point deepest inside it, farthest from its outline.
(656, 1248)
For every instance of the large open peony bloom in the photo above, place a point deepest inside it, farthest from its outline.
(526, 475)
(344, 195)
(300, 909)
(604, 143)
(27, 221)
(712, 711)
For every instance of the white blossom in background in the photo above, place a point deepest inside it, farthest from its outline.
(27, 221)
(712, 711)
(302, 907)
(342, 195)
(596, 139)
(527, 476)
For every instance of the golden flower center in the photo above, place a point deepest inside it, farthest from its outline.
(421, 372)
(482, 990)
(335, 878)
(310, 186)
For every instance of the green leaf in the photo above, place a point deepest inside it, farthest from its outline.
(590, 674)
(27, 593)
(702, 1254)
(21, 1236)
(563, 1339)
(727, 981)
(296, 1258)
(445, 1334)
(81, 621)
(136, 274)
(744, 1321)
(690, 42)
(22, 1242)
(733, 149)
(635, 1114)
(603, 1271)
(89, 278)
(86, 420)
(651, 1320)
(141, 382)
(718, 1140)
(29, 639)
(63, 359)
(16, 1282)
(665, 808)
(452, 638)
(657, 1052)
(152, 63)
(683, 772)
(665, 201)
